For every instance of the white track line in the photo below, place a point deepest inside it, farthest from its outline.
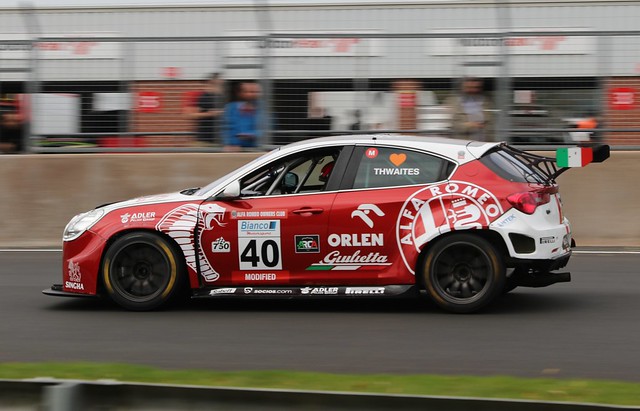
(30, 250)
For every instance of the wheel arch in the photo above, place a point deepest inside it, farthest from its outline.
(493, 237)
(100, 289)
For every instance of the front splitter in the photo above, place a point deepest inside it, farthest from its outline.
(56, 291)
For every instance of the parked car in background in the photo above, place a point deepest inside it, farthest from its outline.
(529, 121)
(582, 128)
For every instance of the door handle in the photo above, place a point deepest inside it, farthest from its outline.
(308, 211)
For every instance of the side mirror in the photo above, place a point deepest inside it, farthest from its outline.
(290, 181)
(230, 192)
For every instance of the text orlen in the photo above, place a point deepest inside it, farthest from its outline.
(356, 240)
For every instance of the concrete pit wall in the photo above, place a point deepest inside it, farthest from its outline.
(42, 192)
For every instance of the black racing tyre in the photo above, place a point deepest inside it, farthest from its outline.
(463, 273)
(142, 271)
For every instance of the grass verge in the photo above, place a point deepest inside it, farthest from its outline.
(595, 391)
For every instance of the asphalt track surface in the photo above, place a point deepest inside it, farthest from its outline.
(587, 328)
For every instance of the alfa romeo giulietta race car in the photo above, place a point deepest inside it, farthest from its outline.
(354, 216)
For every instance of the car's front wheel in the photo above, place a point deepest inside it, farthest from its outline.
(463, 273)
(141, 271)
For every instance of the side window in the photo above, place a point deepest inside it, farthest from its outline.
(389, 167)
(305, 172)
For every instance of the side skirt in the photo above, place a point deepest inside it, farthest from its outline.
(310, 291)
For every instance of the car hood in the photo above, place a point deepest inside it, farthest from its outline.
(152, 199)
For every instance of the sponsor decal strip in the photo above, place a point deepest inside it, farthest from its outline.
(308, 291)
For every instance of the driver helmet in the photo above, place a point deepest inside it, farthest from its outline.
(326, 171)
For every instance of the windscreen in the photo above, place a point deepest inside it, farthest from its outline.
(247, 166)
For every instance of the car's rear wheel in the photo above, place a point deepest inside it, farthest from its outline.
(141, 271)
(463, 273)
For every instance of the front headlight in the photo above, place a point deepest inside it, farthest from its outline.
(81, 223)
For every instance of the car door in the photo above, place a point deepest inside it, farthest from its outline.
(382, 216)
(274, 231)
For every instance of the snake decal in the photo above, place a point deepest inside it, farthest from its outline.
(179, 224)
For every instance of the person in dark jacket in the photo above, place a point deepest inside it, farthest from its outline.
(207, 112)
(11, 129)
(471, 112)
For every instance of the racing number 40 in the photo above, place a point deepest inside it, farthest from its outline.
(267, 255)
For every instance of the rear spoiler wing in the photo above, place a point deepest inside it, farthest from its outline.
(566, 158)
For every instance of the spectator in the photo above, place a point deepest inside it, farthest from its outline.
(208, 110)
(471, 112)
(242, 118)
(11, 129)
(357, 114)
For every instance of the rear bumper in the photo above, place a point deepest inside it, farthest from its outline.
(538, 237)
(57, 291)
(538, 273)
(540, 265)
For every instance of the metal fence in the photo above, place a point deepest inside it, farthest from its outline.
(104, 91)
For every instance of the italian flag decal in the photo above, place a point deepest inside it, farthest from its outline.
(574, 156)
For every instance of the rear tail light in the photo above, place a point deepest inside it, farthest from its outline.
(528, 201)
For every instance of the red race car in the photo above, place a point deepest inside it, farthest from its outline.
(356, 216)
